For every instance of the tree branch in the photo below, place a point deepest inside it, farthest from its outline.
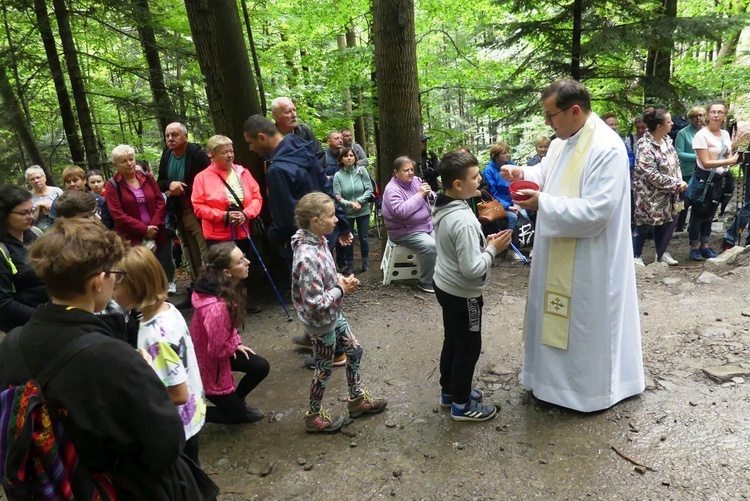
(453, 42)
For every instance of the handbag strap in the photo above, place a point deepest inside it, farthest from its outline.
(236, 198)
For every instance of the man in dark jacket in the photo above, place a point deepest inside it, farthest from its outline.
(293, 172)
(285, 115)
(179, 165)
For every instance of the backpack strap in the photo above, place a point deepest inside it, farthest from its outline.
(59, 361)
(6, 255)
(115, 184)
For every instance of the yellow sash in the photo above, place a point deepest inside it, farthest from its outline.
(562, 251)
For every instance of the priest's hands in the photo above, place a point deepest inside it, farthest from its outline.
(511, 172)
(531, 203)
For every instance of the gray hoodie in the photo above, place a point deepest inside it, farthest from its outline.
(464, 259)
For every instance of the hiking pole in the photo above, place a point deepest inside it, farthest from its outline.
(520, 254)
(268, 275)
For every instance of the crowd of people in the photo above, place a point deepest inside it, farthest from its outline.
(100, 259)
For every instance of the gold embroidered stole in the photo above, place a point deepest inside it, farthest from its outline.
(562, 251)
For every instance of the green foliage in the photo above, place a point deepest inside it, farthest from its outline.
(482, 64)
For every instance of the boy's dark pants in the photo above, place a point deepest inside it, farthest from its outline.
(462, 321)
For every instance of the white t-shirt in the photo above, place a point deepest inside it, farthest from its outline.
(167, 339)
(718, 147)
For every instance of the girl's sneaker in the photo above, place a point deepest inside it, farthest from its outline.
(322, 422)
(473, 411)
(446, 400)
(365, 404)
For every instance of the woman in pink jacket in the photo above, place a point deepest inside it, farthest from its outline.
(219, 314)
(225, 198)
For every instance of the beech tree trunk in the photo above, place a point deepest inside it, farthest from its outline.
(399, 124)
(17, 119)
(165, 111)
(63, 98)
(230, 86)
(77, 84)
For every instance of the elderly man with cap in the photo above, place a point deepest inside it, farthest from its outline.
(429, 164)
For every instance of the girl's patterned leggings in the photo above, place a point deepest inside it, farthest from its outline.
(324, 346)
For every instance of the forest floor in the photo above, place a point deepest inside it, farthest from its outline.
(688, 432)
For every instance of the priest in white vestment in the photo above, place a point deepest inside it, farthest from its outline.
(582, 334)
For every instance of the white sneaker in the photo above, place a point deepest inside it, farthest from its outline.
(639, 261)
(666, 258)
(171, 288)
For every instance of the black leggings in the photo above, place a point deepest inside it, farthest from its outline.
(231, 408)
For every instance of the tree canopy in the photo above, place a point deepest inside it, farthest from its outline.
(480, 63)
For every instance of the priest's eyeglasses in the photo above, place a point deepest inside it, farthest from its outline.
(550, 116)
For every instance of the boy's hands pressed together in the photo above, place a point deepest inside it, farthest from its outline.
(500, 241)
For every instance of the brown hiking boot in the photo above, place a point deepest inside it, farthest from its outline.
(365, 404)
(322, 422)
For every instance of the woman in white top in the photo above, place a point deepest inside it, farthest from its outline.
(713, 149)
(42, 196)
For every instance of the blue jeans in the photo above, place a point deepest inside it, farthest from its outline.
(512, 219)
(423, 244)
(363, 227)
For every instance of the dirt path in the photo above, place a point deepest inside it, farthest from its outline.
(689, 432)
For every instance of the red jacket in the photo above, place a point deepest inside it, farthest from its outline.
(124, 208)
(211, 201)
(215, 341)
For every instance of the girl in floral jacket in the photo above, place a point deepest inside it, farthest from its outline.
(219, 314)
(317, 292)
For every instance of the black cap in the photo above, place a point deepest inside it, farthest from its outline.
(423, 137)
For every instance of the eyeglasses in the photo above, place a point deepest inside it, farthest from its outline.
(24, 213)
(717, 112)
(550, 116)
(95, 214)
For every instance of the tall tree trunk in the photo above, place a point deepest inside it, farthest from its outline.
(397, 82)
(77, 84)
(658, 89)
(359, 116)
(16, 117)
(63, 98)
(347, 97)
(256, 62)
(13, 63)
(165, 111)
(729, 46)
(230, 87)
(575, 46)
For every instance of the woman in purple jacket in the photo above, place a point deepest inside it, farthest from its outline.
(406, 213)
